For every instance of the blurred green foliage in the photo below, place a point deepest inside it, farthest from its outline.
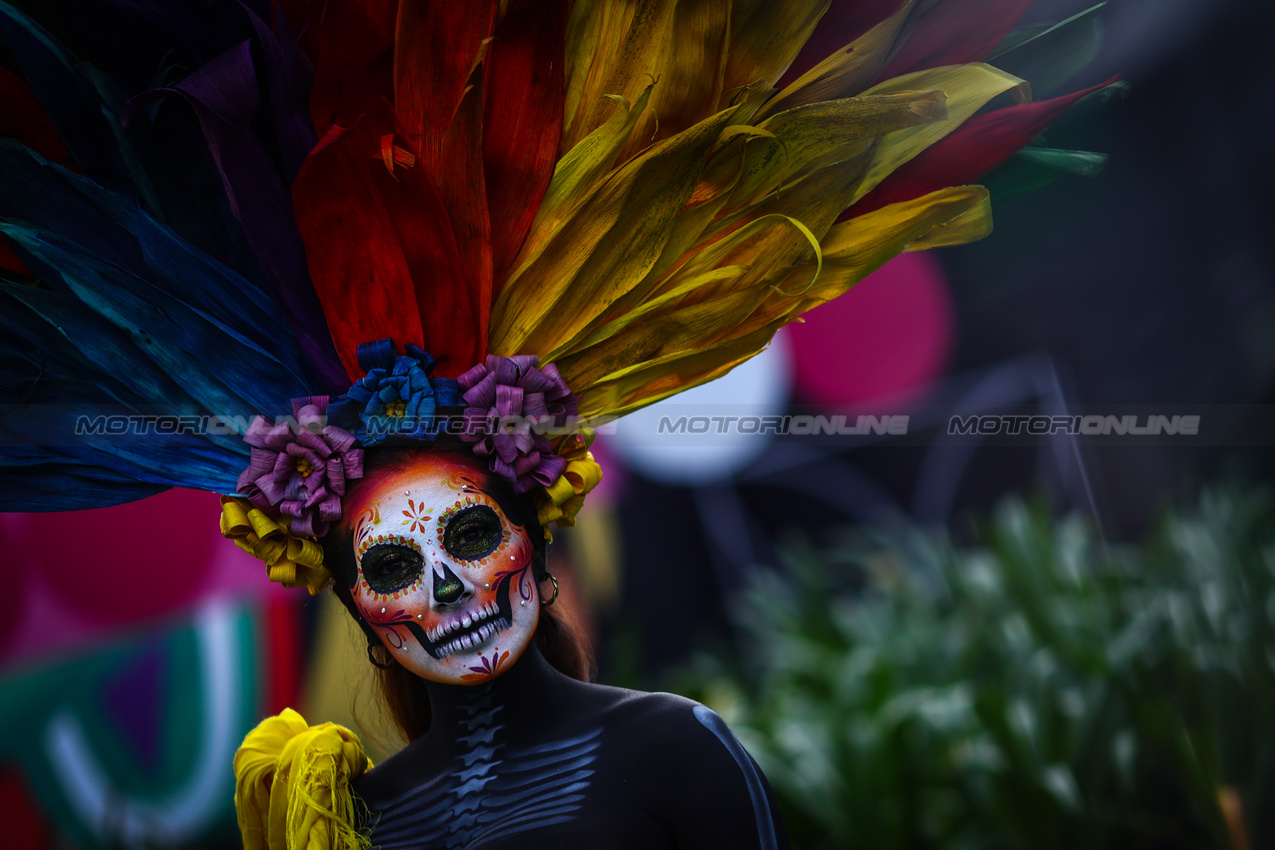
(1034, 689)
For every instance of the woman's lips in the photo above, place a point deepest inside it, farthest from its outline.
(466, 631)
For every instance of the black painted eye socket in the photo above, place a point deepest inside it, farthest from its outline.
(388, 567)
(473, 533)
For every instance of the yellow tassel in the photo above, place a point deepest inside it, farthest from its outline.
(292, 786)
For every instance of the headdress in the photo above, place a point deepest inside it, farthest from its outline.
(270, 252)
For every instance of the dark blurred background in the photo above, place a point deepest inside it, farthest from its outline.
(1149, 284)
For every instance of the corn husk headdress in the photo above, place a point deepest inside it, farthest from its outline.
(356, 214)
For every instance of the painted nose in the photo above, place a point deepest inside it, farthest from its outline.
(448, 588)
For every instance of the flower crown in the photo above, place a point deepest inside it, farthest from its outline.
(504, 408)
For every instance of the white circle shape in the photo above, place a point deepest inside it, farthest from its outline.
(711, 432)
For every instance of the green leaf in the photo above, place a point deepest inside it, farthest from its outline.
(1035, 167)
(1047, 56)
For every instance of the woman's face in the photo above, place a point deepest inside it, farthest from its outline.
(444, 577)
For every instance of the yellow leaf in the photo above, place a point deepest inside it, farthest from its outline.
(728, 160)
(603, 249)
(681, 331)
(647, 383)
(768, 244)
(822, 133)
(595, 31)
(810, 137)
(968, 88)
(815, 200)
(587, 348)
(690, 66)
(970, 226)
(706, 203)
(687, 232)
(673, 322)
(853, 249)
(847, 71)
(765, 38)
(577, 173)
(718, 296)
(681, 43)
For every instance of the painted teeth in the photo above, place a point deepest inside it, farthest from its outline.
(474, 638)
(440, 633)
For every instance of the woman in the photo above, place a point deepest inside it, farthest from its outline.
(431, 530)
(507, 746)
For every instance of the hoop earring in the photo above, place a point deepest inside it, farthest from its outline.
(371, 656)
(553, 598)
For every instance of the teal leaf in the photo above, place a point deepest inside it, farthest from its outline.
(1035, 167)
(1047, 56)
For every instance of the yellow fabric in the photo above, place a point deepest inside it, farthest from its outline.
(292, 786)
(291, 561)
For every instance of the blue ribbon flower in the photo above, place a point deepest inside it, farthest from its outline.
(396, 398)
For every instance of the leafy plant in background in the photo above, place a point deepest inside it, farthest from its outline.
(1036, 689)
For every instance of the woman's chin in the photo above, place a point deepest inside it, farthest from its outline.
(475, 659)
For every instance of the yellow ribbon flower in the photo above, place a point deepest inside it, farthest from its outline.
(560, 502)
(292, 561)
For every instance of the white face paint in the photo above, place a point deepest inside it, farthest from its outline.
(444, 577)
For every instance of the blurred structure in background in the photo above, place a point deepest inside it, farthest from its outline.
(130, 671)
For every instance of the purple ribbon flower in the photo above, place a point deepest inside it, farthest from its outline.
(299, 468)
(510, 403)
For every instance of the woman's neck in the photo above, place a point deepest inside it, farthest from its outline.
(460, 714)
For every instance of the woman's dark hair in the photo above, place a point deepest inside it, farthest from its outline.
(557, 635)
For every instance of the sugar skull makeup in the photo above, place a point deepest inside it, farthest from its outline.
(444, 577)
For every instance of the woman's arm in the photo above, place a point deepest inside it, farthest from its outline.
(705, 788)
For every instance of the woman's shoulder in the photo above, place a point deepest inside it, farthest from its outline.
(625, 704)
(684, 765)
(661, 721)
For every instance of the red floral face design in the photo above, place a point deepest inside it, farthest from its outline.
(444, 577)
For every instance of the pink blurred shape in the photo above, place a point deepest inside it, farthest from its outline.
(75, 577)
(884, 341)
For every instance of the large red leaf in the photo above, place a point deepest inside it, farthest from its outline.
(953, 32)
(974, 149)
(423, 232)
(435, 46)
(351, 44)
(356, 258)
(462, 190)
(522, 121)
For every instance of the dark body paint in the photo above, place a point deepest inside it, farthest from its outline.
(534, 759)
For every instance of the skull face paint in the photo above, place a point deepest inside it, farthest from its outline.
(444, 577)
